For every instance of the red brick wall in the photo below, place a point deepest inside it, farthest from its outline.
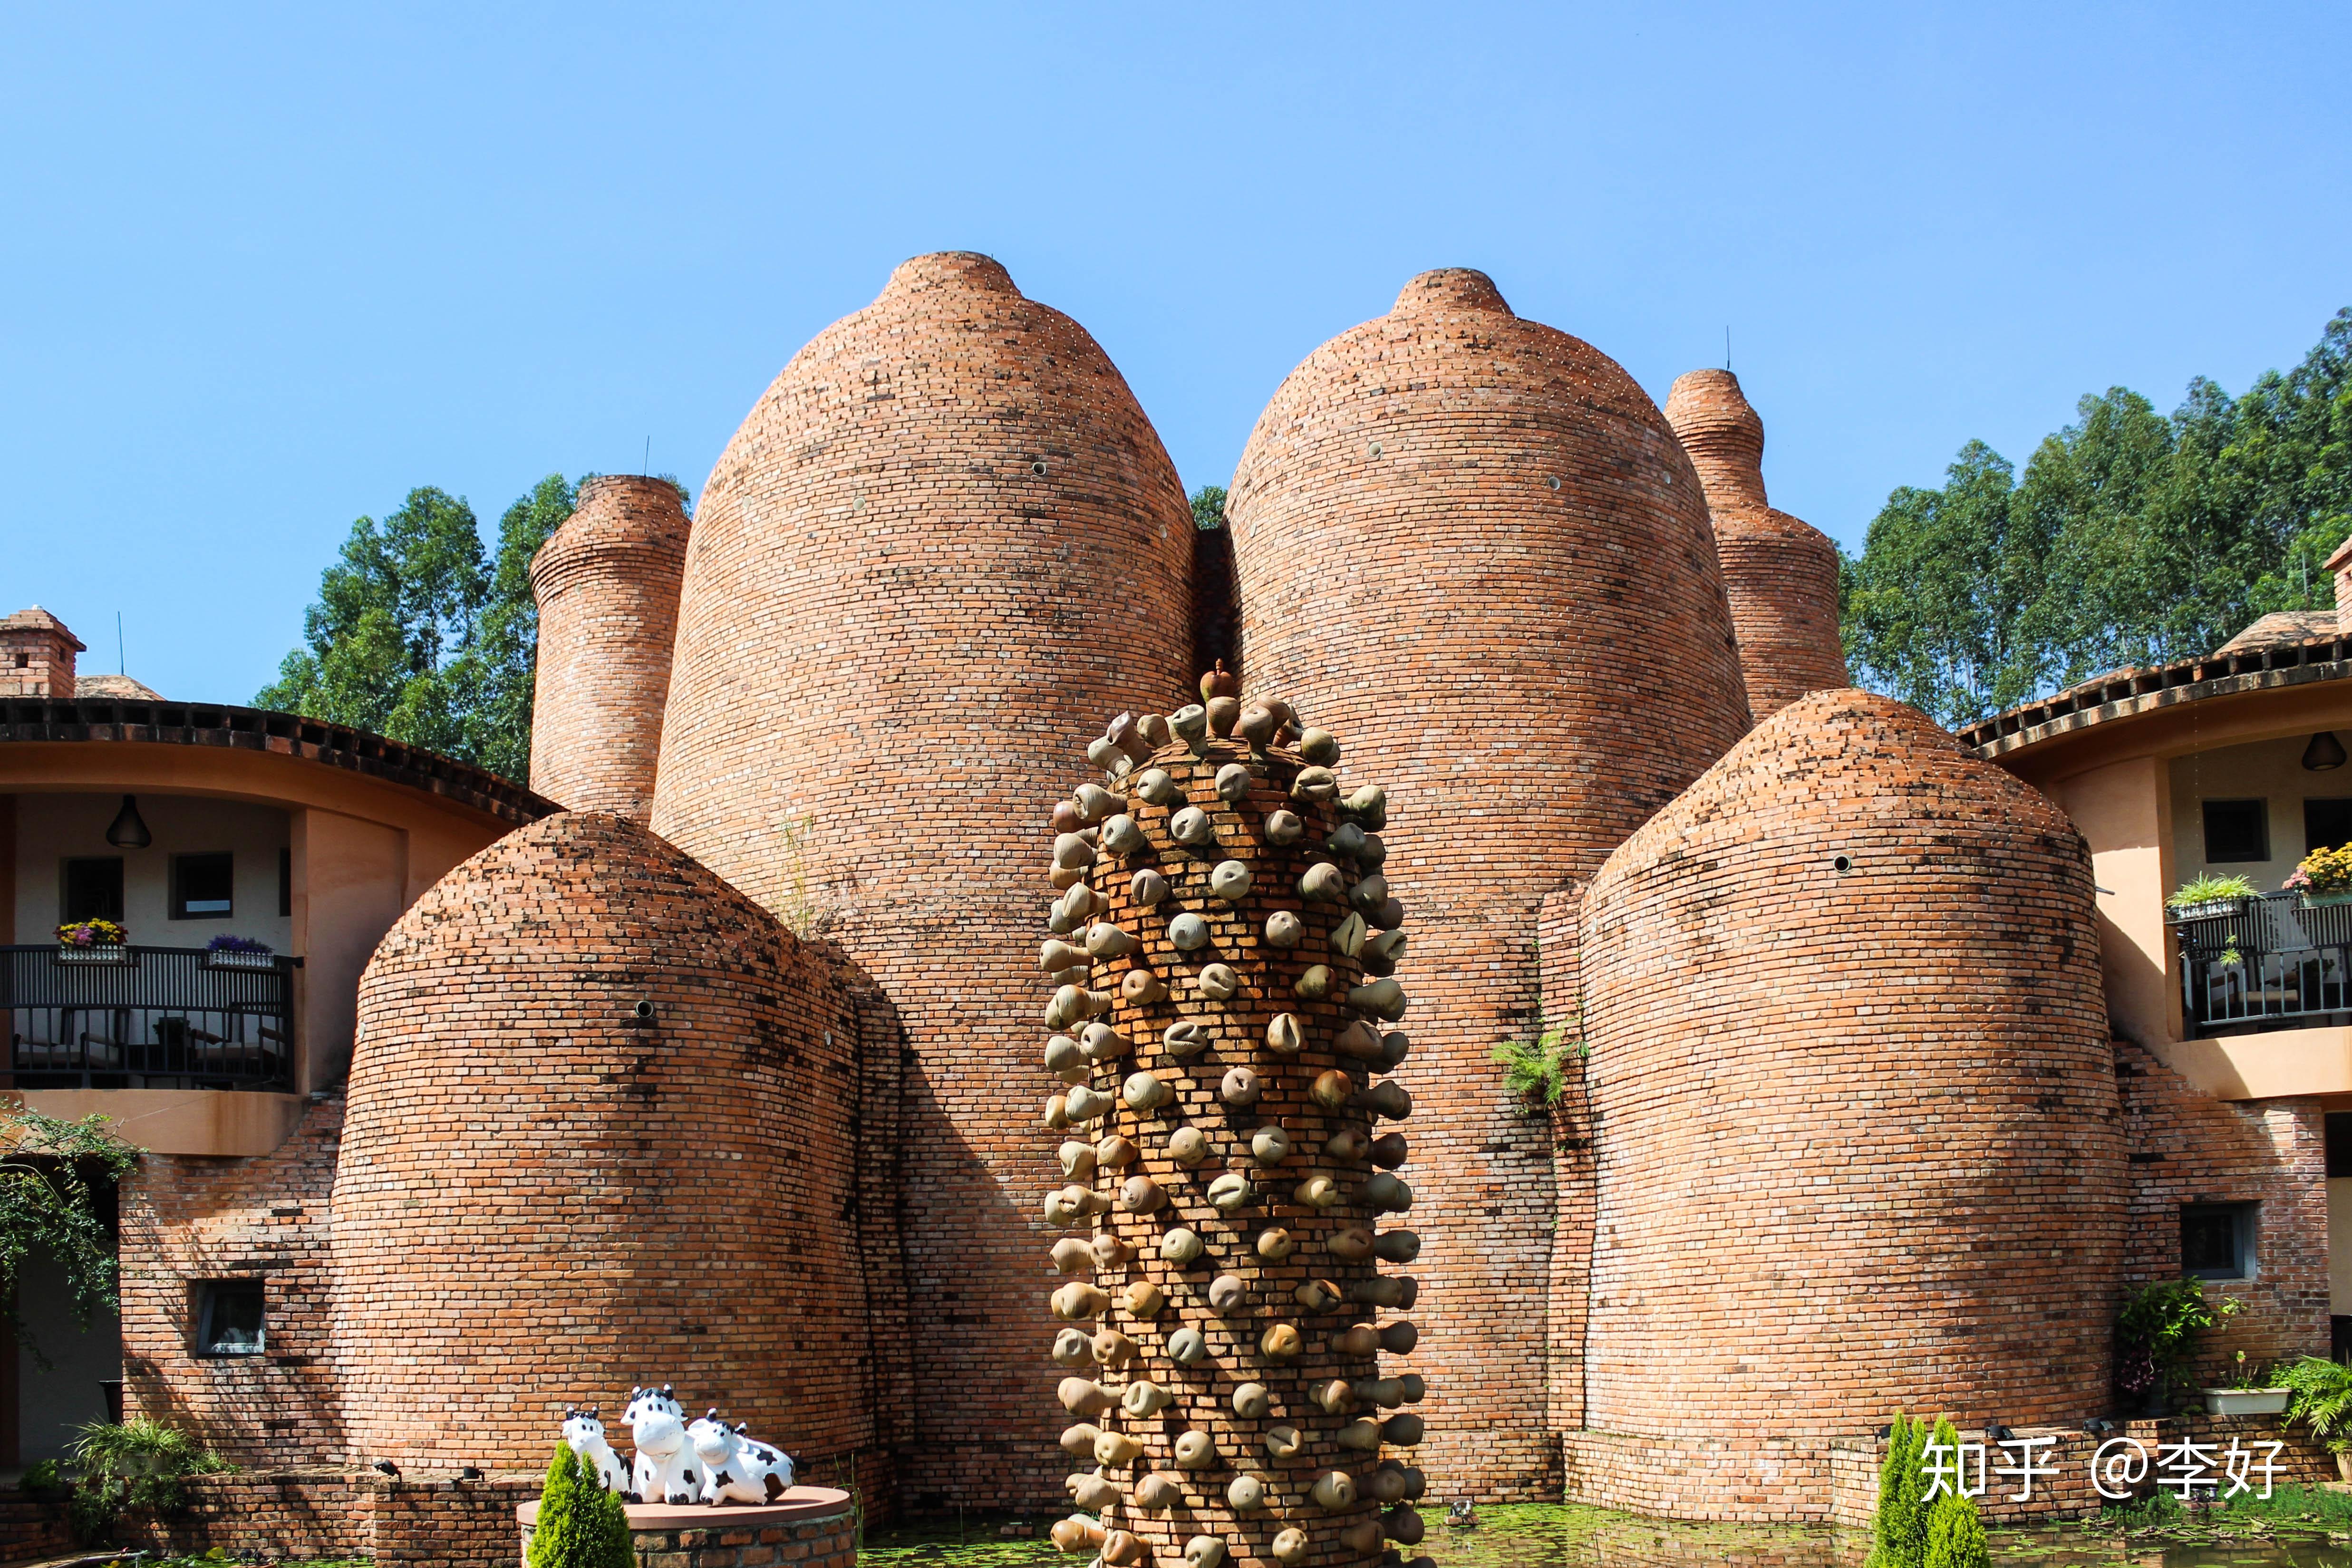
(544, 1199)
(1536, 669)
(1782, 573)
(1860, 1145)
(606, 583)
(186, 1219)
(1568, 1294)
(1237, 1028)
(945, 546)
(2187, 1147)
(36, 655)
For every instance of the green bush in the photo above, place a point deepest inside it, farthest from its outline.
(1898, 1531)
(581, 1525)
(2159, 1330)
(1956, 1537)
(2323, 1400)
(140, 1463)
(2211, 889)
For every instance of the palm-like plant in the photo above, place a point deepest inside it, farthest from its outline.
(2323, 1400)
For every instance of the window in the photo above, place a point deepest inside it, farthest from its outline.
(92, 890)
(2339, 1143)
(203, 887)
(285, 883)
(2217, 1241)
(229, 1317)
(2236, 830)
(2327, 825)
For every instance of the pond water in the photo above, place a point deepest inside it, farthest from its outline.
(1573, 1537)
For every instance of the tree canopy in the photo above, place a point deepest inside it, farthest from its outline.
(420, 635)
(2133, 538)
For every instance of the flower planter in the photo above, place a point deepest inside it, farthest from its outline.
(231, 960)
(96, 953)
(2247, 1401)
(2320, 901)
(2210, 909)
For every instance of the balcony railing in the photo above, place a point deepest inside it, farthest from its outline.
(2266, 963)
(147, 1017)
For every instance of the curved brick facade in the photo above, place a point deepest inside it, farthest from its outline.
(944, 543)
(1859, 1142)
(1538, 669)
(607, 586)
(1270, 1249)
(1782, 573)
(543, 1198)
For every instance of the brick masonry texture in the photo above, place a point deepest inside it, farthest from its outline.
(944, 548)
(1860, 1145)
(544, 1197)
(1236, 1242)
(1782, 573)
(807, 1543)
(607, 584)
(186, 1219)
(1536, 669)
(36, 655)
(2186, 1147)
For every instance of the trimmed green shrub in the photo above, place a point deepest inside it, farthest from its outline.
(581, 1525)
(1956, 1537)
(1898, 1531)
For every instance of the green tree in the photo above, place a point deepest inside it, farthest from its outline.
(1209, 508)
(1956, 1537)
(419, 635)
(581, 1525)
(1898, 1530)
(51, 1175)
(2132, 538)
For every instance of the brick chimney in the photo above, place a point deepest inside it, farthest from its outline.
(2341, 564)
(36, 655)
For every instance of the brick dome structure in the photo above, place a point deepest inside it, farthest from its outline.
(599, 1133)
(1470, 543)
(1782, 573)
(944, 543)
(1859, 1143)
(607, 585)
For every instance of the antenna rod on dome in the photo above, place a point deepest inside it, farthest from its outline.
(1727, 345)
(647, 461)
(122, 664)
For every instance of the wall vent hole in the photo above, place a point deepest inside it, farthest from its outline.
(1842, 863)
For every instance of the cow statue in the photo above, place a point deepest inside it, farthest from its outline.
(735, 1469)
(584, 1433)
(665, 1470)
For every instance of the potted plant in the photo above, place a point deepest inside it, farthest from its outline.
(92, 942)
(2252, 1391)
(2321, 1399)
(2156, 1335)
(225, 952)
(2210, 897)
(2323, 877)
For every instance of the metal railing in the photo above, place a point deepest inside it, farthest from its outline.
(147, 1017)
(2266, 963)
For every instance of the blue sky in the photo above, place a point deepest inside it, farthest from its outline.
(265, 269)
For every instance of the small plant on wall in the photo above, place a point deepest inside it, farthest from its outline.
(1537, 1070)
(2157, 1333)
(2202, 898)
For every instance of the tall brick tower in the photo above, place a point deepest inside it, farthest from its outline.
(1470, 543)
(945, 543)
(1782, 573)
(1855, 1110)
(606, 583)
(601, 1129)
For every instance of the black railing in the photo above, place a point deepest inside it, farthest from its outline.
(147, 1017)
(2264, 963)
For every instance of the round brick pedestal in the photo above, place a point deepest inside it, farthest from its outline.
(808, 1527)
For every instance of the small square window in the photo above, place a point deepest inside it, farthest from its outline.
(285, 883)
(2327, 825)
(2217, 1241)
(2236, 830)
(229, 1317)
(203, 887)
(93, 889)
